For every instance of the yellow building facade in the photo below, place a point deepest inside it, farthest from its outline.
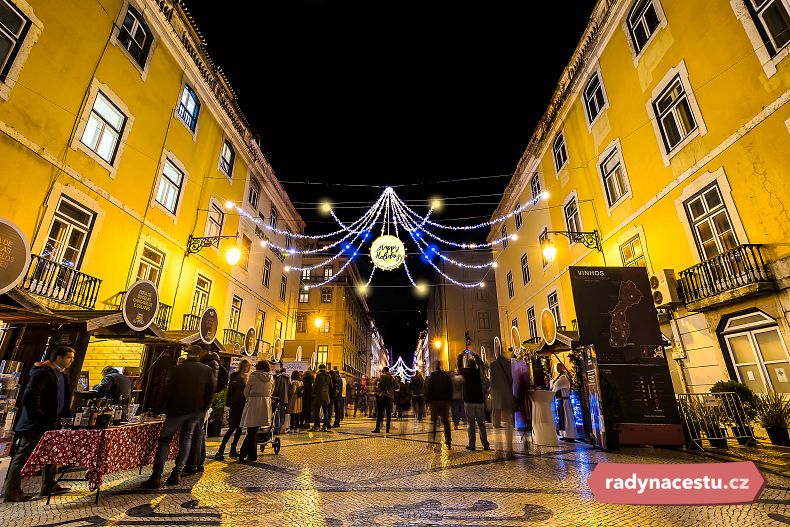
(669, 137)
(119, 140)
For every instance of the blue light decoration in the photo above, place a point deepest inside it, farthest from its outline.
(576, 405)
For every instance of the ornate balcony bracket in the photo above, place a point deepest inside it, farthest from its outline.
(195, 244)
(590, 239)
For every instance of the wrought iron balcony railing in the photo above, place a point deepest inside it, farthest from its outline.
(727, 271)
(231, 337)
(191, 322)
(163, 316)
(60, 282)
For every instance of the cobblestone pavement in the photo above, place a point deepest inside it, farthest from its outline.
(351, 477)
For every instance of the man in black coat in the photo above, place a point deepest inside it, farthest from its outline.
(440, 396)
(114, 385)
(197, 457)
(188, 396)
(307, 399)
(44, 402)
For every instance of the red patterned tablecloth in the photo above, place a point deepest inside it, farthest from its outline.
(122, 448)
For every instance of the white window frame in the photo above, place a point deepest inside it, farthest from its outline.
(301, 322)
(511, 291)
(572, 198)
(769, 63)
(152, 38)
(326, 295)
(525, 277)
(254, 192)
(187, 84)
(283, 287)
(77, 144)
(274, 217)
(535, 178)
(503, 232)
(613, 148)
(231, 163)
(681, 73)
(70, 225)
(149, 264)
(25, 42)
(632, 261)
(246, 252)
(266, 276)
(591, 119)
(554, 151)
(532, 322)
(543, 232)
(517, 216)
(767, 325)
(326, 326)
(555, 307)
(662, 23)
(168, 156)
(304, 297)
(235, 312)
(514, 323)
(196, 307)
(212, 228)
(707, 218)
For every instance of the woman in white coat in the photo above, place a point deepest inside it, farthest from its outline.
(258, 408)
(561, 385)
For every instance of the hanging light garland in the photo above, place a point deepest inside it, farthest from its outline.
(387, 251)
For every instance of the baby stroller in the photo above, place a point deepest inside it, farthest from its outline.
(266, 434)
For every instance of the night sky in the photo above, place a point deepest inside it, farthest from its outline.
(433, 98)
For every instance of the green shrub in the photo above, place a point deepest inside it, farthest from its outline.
(773, 409)
(747, 396)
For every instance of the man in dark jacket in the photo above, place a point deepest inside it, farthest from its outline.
(197, 457)
(114, 385)
(44, 402)
(307, 398)
(188, 396)
(440, 396)
(417, 389)
(282, 385)
(384, 400)
(322, 391)
(469, 365)
(235, 401)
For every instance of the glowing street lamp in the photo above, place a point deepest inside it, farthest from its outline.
(319, 322)
(437, 343)
(549, 251)
(233, 255)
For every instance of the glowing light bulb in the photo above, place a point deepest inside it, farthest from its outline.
(319, 322)
(229, 205)
(482, 284)
(494, 265)
(233, 255)
(436, 204)
(549, 252)
(514, 237)
(437, 343)
(326, 207)
(287, 268)
(544, 195)
(264, 243)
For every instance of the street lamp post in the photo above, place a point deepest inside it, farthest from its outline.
(196, 244)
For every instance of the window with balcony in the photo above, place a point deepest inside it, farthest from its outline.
(594, 99)
(104, 127)
(674, 116)
(517, 215)
(13, 28)
(227, 157)
(135, 36)
(483, 320)
(171, 181)
(201, 295)
(235, 313)
(560, 152)
(534, 186)
(283, 286)
(632, 254)
(68, 235)
(267, 272)
(328, 271)
(306, 275)
(615, 182)
(710, 222)
(152, 262)
(532, 323)
(254, 194)
(524, 269)
(510, 290)
(215, 221)
(643, 21)
(772, 18)
(573, 220)
(301, 322)
(554, 306)
(189, 107)
(326, 295)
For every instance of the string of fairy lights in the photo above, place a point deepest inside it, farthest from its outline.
(387, 251)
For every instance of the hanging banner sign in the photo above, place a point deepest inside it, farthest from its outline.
(548, 326)
(140, 304)
(14, 255)
(249, 342)
(387, 252)
(209, 324)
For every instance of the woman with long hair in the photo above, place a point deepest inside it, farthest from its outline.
(257, 409)
(295, 401)
(235, 400)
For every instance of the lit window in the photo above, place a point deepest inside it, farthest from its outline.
(68, 235)
(135, 36)
(170, 184)
(322, 355)
(673, 114)
(532, 323)
(201, 295)
(305, 275)
(326, 295)
(328, 270)
(226, 158)
(510, 290)
(254, 193)
(301, 322)
(304, 297)
(560, 152)
(325, 327)
(594, 100)
(278, 329)
(572, 218)
(642, 23)
(151, 263)
(104, 128)
(773, 16)
(267, 272)
(632, 253)
(614, 179)
(189, 107)
(712, 227)
(13, 28)
(524, 269)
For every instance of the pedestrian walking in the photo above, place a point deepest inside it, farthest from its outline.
(386, 393)
(295, 402)
(458, 399)
(257, 409)
(322, 387)
(235, 400)
(474, 398)
(188, 397)
(561, 386)
(282, 388)
(440, 395)
(503, 403)
(197, 456)
(307, 398)
(373, 398)
(44, 402)
(338, 401)
(417, 389)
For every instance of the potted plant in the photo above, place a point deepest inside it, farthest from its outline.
(691, 411)
(741, 422)
(713, 419)
(214, 425)
(773, 413)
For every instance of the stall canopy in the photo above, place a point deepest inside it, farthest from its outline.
(187, 338)
(565, 341)
(18, 306)
(109, 324)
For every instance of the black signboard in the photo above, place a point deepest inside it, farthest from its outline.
(616, 314)
(249, 342)
(140, 304)
(14, 255)
(209, 324)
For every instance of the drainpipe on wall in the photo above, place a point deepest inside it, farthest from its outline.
(676, 335)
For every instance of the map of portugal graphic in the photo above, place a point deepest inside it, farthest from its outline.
(620, 329)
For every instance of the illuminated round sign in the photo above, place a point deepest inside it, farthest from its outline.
(249, 342)
(548, 326)
(387, 252)
(139, 305)
(209, 323)
(14, 255)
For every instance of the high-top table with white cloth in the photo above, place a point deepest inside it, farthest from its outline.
(544, 432)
